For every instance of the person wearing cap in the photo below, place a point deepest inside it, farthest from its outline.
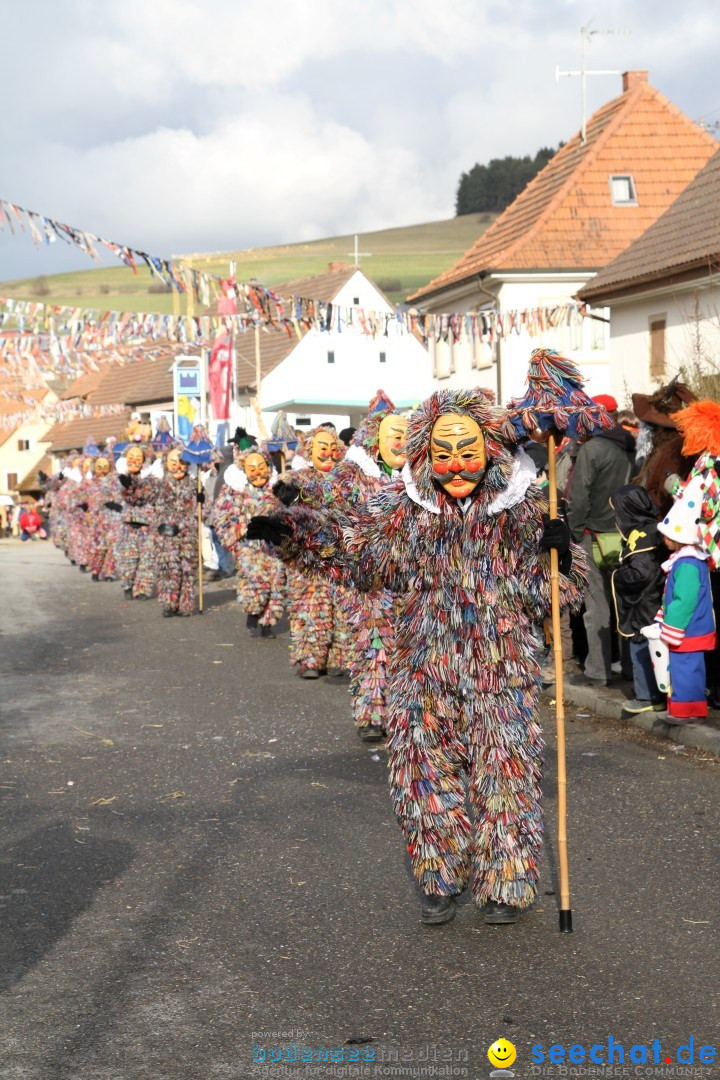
(687, 620)
(603, 464)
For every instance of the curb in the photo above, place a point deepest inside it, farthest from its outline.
(607, 703)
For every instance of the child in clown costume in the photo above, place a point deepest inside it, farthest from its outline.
(319, 637)
(246, 491)
(135, 546)
(459, 541)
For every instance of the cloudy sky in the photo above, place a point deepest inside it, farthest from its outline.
(193, 125)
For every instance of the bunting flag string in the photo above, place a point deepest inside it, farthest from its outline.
(62, 329)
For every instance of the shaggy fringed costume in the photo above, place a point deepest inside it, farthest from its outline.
(319, 637)
(136, 543)
(176, 541)
(105, 511)
(260, 572)
(463, 679)
(370, 615)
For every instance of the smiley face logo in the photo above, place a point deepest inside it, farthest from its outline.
(502, 1054)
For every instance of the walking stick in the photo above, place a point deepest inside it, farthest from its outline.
(555, 401)
(200, 561)
(565, 917)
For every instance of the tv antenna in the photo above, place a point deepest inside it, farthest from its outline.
(586, 35)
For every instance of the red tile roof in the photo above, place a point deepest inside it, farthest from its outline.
(73, 434)
(686, 236)
(565, 218)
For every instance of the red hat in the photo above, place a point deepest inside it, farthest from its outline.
(607, 401)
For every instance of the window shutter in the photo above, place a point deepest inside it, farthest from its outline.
(657, 347)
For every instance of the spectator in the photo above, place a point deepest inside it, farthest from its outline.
(30, 522)
(637, 587)
(603, 464)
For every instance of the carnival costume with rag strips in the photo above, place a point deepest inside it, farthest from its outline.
(104, 513)
(78, 524)
(136, 544)
(260, 572)
(175, 501)
(463, 679)
(319, 637)
(370, 615)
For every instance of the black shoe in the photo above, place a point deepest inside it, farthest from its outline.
(435, 909)
(82, 569)
(585, 680)
(267, 632)
(168, 612)
(371, 733)
(95, 577)
(309, 673)
(252, 622)
(128, 593)
(497, 914)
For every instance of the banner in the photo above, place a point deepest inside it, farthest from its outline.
(189, 395)
(220, 376)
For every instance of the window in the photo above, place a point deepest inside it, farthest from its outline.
(599, 328)
(302, 421)
(331, 356)
(356, 301)
(12, 481)
(383, 358)
(23, 444)
(622, 189)
(657, 346)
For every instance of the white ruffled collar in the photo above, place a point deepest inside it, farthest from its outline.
(690, 551)
(521, 478)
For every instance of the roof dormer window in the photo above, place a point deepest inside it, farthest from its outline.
(622, 190)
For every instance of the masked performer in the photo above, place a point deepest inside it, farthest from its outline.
(73, 498)
(176, 500)
(105, 507)
(318, 628)
(260, 573)
(373, 460)
(459, 541)
(135, 549)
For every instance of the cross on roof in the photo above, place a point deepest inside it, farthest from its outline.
(357, 254)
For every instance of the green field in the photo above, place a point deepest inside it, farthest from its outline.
(400, 261)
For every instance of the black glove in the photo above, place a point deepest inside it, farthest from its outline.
(168, 530)
(556, 535)
(84, 506)
(125, 480)
(201, 497)
(271, 529)
(113, 506)
(286, 493)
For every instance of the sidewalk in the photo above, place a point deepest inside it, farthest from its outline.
(606, 701)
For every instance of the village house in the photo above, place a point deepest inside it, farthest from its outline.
(663, 293)
(23, 445)
(588, 204)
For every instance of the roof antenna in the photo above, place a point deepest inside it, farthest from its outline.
(586, 35)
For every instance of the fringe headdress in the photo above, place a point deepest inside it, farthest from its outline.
(700, 426)
(367, 434)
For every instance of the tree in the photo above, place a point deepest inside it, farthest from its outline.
(492, 187)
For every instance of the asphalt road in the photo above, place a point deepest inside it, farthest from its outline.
(198, 852)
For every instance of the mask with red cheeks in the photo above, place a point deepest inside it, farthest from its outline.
(135, 459)
(102, 466)
(175, 464)
(392, 434)
(323, 445)
(457, 454)
(256, 470)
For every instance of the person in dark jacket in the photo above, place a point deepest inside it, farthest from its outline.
(637, 587)
(603, 464)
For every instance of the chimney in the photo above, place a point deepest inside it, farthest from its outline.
(631, 79)
(337, 266)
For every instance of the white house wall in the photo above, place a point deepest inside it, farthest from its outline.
(22, 462)
(630, 336)
(475, 363)
(357, 372)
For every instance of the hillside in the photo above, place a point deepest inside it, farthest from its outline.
(400, 261)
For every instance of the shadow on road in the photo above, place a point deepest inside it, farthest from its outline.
(36, 912)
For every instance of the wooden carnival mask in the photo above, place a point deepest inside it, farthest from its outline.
(457, 454)
(392, 434)
(323, 445)
(175, 464)
(135, 459)
(256, 470)
(102, 466)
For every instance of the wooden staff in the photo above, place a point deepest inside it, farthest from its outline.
(565, 918)
(200, 560)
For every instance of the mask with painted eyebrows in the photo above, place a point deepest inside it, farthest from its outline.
(256, 470)
(391, 441)
(322, 448)
(135, 459)
(457, 454)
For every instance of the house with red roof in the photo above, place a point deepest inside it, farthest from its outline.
(590, 202)
(663, 293)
